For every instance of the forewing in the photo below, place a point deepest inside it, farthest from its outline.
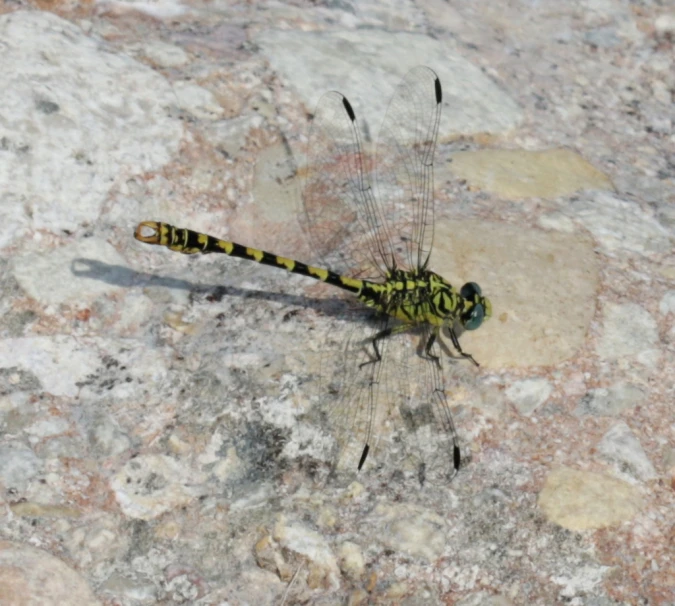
(405, 165)
(340, 213)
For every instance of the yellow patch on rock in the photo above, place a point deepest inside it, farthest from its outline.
(582, 500)
(526, 174)
(542, 285)
(32, 509)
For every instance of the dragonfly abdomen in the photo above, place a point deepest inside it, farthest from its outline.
(191, 242)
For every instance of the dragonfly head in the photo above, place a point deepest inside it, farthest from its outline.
(477, 308)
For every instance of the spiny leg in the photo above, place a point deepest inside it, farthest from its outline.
(456, 345)
(430, 344)
(383, 334)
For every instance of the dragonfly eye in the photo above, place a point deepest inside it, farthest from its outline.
(472, 319)
(470, 290)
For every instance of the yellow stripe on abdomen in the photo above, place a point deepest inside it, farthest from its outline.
(191, 242)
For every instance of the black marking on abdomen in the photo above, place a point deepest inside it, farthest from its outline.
(292, 266)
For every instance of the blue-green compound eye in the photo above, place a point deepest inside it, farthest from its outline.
(469, 290)
(476, 317)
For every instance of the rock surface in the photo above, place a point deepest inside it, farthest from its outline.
(167, 422)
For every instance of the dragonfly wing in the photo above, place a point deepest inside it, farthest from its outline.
(405, 164)
(340, 213)
(396, 406)
(353, 393)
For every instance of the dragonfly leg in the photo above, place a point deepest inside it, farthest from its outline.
(383, 334)
(429, 345)
(455, 343)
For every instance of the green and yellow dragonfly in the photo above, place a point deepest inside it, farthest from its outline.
(355, 228)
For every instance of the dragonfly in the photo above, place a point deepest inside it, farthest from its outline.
(377, 240)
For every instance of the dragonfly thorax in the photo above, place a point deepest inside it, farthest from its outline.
(422, 296)
(415, 297)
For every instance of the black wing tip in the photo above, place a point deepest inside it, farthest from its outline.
(456, 458)
(364, 455)
(348, 109)
(439, 91)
